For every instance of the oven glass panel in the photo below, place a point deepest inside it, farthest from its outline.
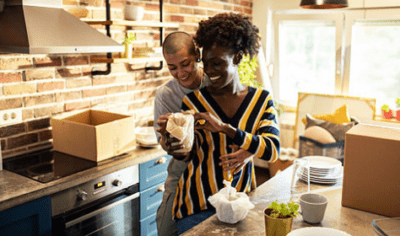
(117, 217)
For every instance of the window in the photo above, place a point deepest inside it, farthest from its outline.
(307, 55)
(375, 60)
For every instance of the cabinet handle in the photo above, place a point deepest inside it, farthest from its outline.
(160, 189)
(162, 160)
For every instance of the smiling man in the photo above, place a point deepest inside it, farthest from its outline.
(183, 59)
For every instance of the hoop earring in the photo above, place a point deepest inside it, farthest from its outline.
(198, 60)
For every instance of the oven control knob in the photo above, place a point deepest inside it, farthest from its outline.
(117, 183)
(82, 195)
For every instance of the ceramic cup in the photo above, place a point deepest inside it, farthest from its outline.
(313, 207)
(134, 13)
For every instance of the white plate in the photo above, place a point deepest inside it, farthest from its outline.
(320, 231)
(322, 181)
(321, 163)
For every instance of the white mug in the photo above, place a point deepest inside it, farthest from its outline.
(313, 207)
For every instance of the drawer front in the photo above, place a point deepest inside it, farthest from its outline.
(148, 226)
(150, 200)
(153, 172)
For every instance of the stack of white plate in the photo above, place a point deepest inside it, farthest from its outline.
(323, 170)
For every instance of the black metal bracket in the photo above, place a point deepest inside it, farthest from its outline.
(147, 69)
(109, 55)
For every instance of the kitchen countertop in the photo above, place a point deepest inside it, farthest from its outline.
(16, 189)
(354, 222)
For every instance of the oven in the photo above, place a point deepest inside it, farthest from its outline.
(108, 205)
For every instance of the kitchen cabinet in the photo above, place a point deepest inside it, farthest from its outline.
(32, 218)
(152, 175)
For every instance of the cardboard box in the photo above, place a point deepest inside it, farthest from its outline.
(371, 180)
(93, 135)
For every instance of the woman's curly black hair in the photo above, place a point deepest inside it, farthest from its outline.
(230, 30)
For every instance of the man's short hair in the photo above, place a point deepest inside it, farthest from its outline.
(174, 41)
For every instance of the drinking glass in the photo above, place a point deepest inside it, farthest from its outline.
(300, 182)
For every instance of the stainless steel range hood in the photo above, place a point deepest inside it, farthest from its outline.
(43, 27)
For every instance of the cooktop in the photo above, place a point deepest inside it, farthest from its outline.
(46, 165)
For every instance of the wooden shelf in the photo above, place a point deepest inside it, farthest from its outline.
(126, 60)
(132, 23)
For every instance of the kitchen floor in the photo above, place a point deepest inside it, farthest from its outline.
(262, 175)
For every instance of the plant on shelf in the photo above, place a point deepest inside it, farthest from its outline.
(398, 109)
(128, 42)
(279, 217)
(387, 113)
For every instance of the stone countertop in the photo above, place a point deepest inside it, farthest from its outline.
(351, 221)
(16, 189)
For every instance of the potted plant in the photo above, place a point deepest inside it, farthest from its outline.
(279, 218)
(128, 42)
(398, 109)
(387, 113)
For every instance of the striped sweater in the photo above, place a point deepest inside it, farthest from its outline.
(257, 132)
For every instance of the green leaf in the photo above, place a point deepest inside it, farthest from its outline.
(284, 210)
(247, 69)
(385, 107)
(129, 38)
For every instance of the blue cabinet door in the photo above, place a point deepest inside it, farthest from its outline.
(32, 218)
(153, 172)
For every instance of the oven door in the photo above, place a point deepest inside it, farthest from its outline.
(115, 215)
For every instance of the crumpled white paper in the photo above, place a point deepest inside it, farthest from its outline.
(231, 206)
(181, 126)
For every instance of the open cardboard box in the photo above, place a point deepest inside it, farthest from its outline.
(93, 135)
(371, 179)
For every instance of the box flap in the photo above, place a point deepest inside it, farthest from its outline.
(382, 132)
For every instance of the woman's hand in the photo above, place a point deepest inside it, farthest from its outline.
(236, 160)
(206, 120)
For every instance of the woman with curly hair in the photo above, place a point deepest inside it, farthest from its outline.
(234, 115)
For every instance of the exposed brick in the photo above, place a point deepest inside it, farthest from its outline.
(15, 63)
(49, 86)
(19, 89)
(199, 11)
(70, 106)
(186, 10)
(188, 28)
(10, 153)
(69, 72)
(39, 74)
(76, 60)
(80, 13)
(45, 135)
(47, 61)
(3, 144)
(176, 1)
(87, 71)
(10, 103)
(172, 9)
(228, 7)
(116, 89)
(92, 3)
(117, 4)
(70, 2)
(38, 124)
(103, 80)
(78, 83)
(238, 9)
(48, 111)
(145, 94)
(37, 100)
(192, 2)
(152, 7)
(248, 11)
(245, 3)
(67, 96)
(27, 114)
(100, 14)
(10, 77)
(22, 140)
(40, 146)
(12, 130)
(206, 4)
(175, 18)
(93, 92)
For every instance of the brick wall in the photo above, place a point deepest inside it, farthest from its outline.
(47, 85)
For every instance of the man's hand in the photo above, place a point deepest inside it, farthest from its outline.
(236, 160)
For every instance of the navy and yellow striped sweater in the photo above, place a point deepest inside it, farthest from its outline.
(257, 132)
